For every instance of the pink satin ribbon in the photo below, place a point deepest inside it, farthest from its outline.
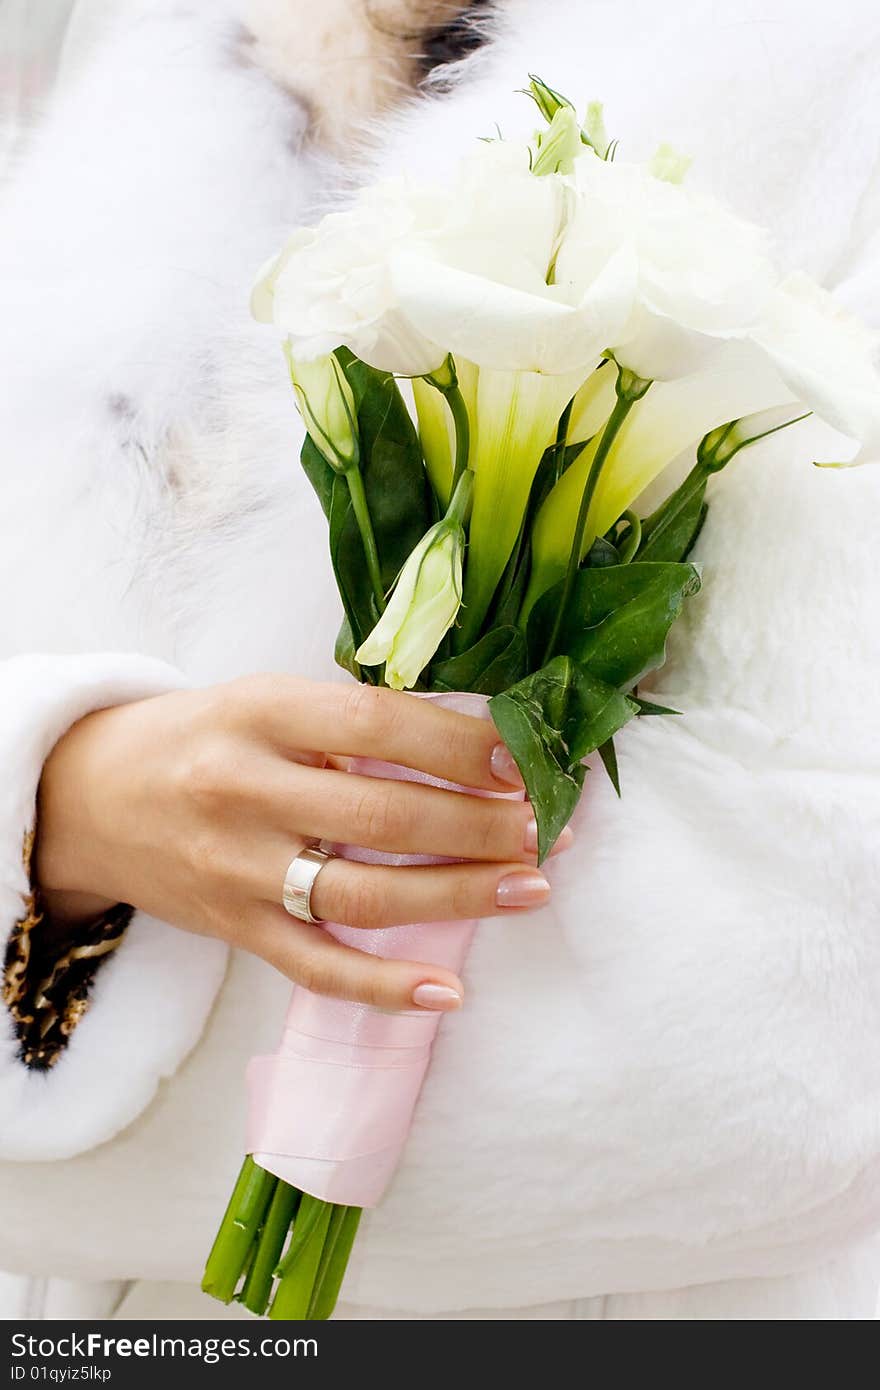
(330, 1111)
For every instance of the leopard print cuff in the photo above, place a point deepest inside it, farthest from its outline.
(48, 974)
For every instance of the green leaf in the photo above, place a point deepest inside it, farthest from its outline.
(349, 564)
(396, 485)
(513, 584)
(490, 666)
(646, 707)
(318, 472)
(551, 721)
(669, 533)
(395, 479)
(608, 754)
(601, 554)
(345, 653)
(701, 521)
(618, 618)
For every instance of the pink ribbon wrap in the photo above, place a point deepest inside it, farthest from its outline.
(331, 1110)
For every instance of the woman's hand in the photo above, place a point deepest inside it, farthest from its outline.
(192, 805)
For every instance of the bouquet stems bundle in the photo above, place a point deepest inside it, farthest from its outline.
(248, 1260)
(570, 326)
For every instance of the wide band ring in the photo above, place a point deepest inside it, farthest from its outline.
(299, 882)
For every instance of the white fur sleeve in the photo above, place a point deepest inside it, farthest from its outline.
(150, 1000)
(173, 166)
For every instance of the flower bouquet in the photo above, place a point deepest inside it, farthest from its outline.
(492, 369)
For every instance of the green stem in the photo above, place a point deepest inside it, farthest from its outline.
(462, 496)
(258, 1284)
(337, 1217)
(628, 392)
(462, 424)
(247, 1207)
(365, 525)
(249, 1260)
(696, 479)
(694, 483)
(307, 1217)
(294, 1293)
(632, 539)
(327, 1292)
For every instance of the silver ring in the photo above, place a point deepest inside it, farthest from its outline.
(299, 882)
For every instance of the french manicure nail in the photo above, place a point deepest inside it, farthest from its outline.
(436, 997)
(522, 890)
(504, 767)
(565, 841)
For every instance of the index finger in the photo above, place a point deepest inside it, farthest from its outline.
(367, 721)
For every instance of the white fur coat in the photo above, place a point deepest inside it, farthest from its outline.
(671, 1075)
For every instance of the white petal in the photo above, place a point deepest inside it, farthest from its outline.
(263, 292)
(700, 273)
(827, 359)
(658, 348)
(393, 345)
(375, 648)
(506, 328)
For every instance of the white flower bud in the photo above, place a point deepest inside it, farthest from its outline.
(326, 403)
(422, 608)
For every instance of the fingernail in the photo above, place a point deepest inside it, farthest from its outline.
(522, 890)
(530, 844)
(436, 997)
(503, 766)
(565, 841)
